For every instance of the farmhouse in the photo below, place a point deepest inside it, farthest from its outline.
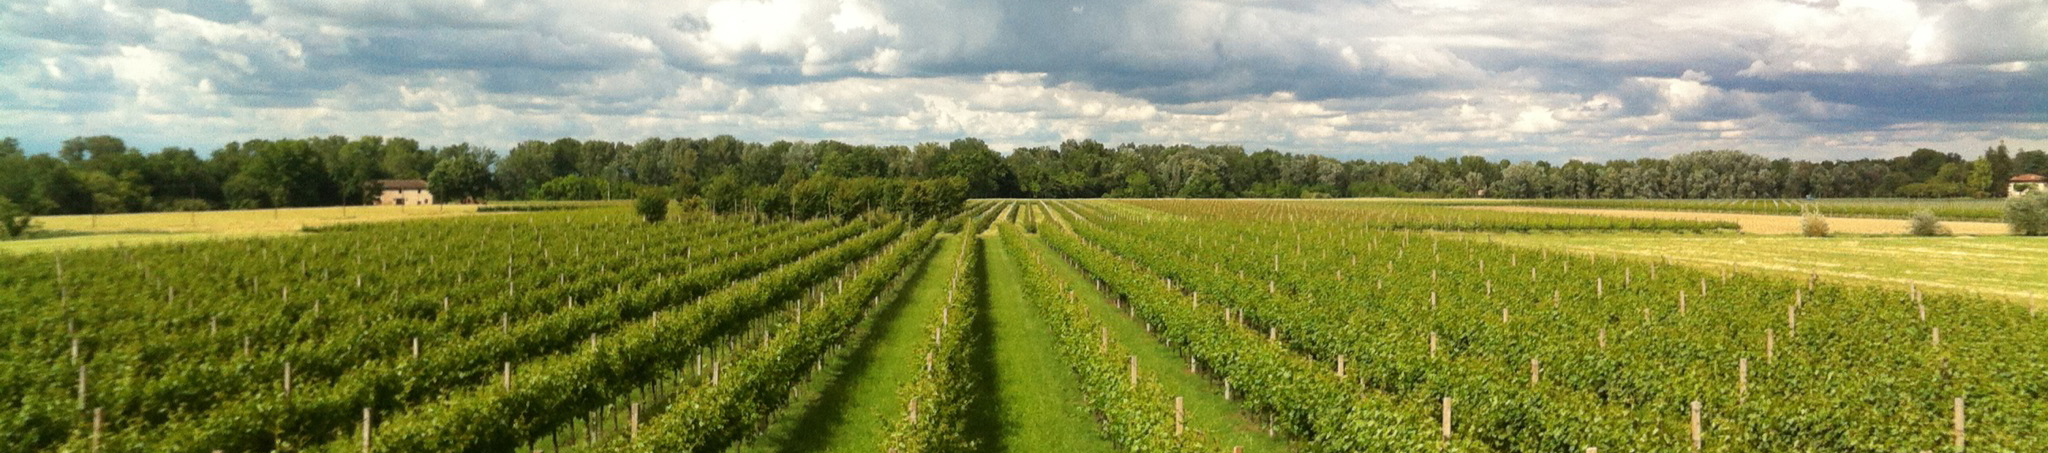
(402, 192)
(2024, 184)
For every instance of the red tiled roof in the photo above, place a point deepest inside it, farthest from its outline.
(2029, 177)
(402, 184)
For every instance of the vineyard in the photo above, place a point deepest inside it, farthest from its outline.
(1150, 326)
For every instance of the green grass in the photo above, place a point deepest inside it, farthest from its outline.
(1994, 265)
(1036, 398)
(1225, 422)
(852, 413)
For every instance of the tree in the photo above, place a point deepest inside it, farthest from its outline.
(2027, 215)
(970, 160)
(1925, 224)
(2034, 162)
(769, 200)
(280, 174)
(2001, 164)
(1137, 184)
(724, 194)
(461, 176)
(1202, 185)
(652, 205)
(1812, 224)
(14, 221)
(1980, 180)
(812, 197)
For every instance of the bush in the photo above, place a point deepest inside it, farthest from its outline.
(2028, 215)
(1812, 224)
(14, 221)
(1925, 224)
(652, 206)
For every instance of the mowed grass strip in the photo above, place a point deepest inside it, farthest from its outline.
(1227, 422)
(1036, 396)
(853, 413)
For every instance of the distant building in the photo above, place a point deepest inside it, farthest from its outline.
(401, 192)
(2025, 184)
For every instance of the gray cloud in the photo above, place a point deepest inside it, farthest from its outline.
(1514, 78)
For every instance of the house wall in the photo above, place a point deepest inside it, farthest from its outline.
(2022, 188)
(409, 197)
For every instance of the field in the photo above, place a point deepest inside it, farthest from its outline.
(1016, 325)
(1978, 209)
(1764, 223)
(1998, 265)
(113, 230)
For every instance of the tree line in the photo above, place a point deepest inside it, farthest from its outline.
(102, 174)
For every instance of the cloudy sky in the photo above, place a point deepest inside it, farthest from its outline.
(1371, 79)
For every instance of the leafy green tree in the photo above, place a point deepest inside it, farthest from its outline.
(1979, 182)
(2027, 215)
(769, 200)
(461, 176)
(812, 197)
(724, 194)
(14, 221)
(2001, 164)
(1924, 223)
(281, 174)
(1202, 185)
(972, 161)
(1137, 184)
(2035, 162)
(855, 196)
(846, 161)
(652, 205)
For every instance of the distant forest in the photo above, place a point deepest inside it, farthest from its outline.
(102, 174)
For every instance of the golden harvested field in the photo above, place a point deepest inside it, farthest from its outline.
(2011, 266)
(111, 230)
(1768, 224)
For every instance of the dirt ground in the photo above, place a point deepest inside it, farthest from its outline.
(1770, 224)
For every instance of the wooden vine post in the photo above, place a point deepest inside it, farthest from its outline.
(366, 430)
(1179, 417)
(1770, 346)
(1959, 424)
(1134, 371)
(1742, 379)
(1432, 344)
(1696, 425)
(1447, 419)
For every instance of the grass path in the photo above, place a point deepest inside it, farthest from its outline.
(1036, 397)
(851, 414)
(1224, 421)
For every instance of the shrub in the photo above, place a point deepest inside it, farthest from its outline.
(2028, 215)
(13, 220)
(1812, 224)
(1925, 224)
(652, 206)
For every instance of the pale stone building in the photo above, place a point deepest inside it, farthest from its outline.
(2025, 184)
(401, 192)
